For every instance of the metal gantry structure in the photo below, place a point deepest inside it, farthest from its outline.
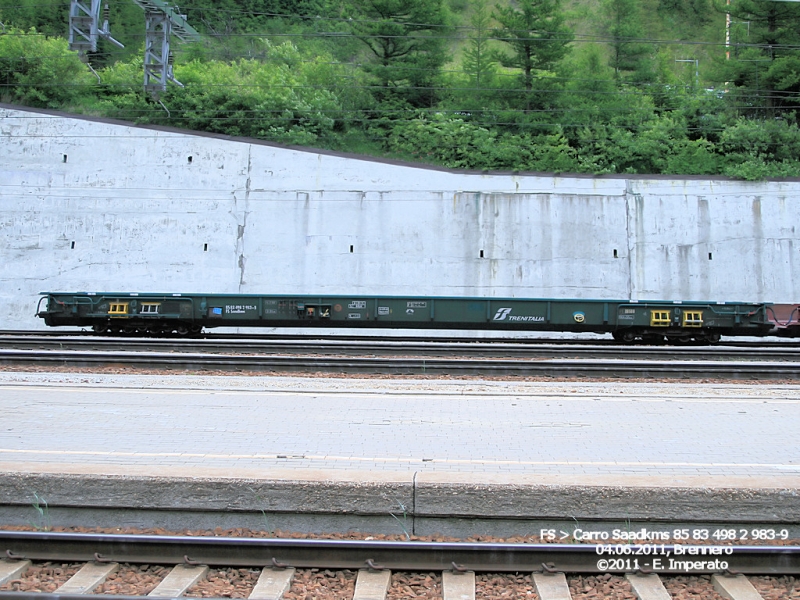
(162, 21)
(85, 27)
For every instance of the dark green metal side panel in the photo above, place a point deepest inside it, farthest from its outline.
(512, 314)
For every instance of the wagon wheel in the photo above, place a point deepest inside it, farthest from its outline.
(626, 336)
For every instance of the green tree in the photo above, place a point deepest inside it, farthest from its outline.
(773, 140)
(698, 12)
(590, 94)
(238, 16)
(705, 114)
(628, 53)
(406, 41)
(755, 149)
(30, 14)
(762, 72)
(230, 25)
(538, 37)
(478, 61)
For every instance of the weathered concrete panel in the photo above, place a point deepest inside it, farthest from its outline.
(98, 205)
(732, 240)
(465, 244)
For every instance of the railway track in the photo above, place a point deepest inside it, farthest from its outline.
(373, 565)
(420, 336)
(390, 347)
(569, 368)
(650, 365)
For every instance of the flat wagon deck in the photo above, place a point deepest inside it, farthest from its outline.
(135, 313)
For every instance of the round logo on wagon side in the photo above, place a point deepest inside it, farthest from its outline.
(337, 307)
(579, 317)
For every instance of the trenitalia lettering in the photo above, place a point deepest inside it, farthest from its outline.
(503, 314)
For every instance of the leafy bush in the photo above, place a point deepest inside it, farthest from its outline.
(40, 71)
(282, 99)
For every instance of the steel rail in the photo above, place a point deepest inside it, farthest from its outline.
(410, 366)
(396, 556)
(384, 347)
(58, 596)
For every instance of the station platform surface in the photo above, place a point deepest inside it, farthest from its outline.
(430, 447)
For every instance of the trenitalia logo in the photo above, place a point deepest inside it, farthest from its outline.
(505, 313)
(502, 314)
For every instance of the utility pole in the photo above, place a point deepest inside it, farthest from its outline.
(728, 31)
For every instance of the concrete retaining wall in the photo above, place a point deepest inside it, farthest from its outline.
(99, 205)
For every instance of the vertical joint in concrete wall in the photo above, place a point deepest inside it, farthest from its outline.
(242, 262)
(240, 249)
(243, 225)
(631, 208)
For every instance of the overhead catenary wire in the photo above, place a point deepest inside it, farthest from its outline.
(570, 39)
(765, 95)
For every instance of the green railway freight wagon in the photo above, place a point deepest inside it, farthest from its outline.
(187, 314)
